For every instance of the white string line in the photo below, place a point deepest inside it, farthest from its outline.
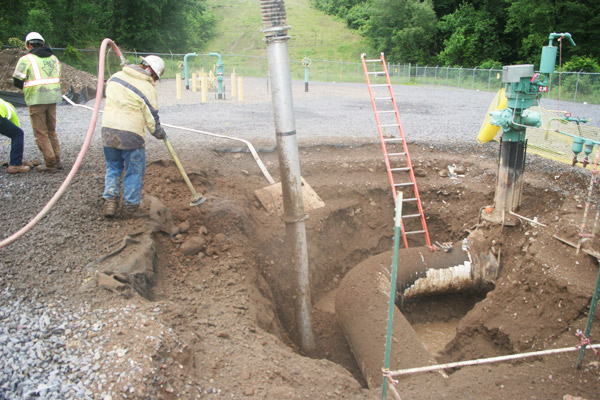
(488, 360)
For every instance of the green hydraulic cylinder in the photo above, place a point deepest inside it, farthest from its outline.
(548, 60)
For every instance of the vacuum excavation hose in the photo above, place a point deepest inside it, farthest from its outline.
(82, 152)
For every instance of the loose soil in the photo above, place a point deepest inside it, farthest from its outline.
(219, 322)
(227, 307)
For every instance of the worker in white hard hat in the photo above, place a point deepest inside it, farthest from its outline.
(131, 109)
(38, 74)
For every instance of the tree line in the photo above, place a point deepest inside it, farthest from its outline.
(142, 25)
(476, 33)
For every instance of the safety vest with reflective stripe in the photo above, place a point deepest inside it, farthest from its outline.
(8, 111)
(131, 107)
(41, 79)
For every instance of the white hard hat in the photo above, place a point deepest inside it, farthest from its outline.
(34, 36)
(156, 63)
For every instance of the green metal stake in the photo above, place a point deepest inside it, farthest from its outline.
(588, 327)
(388, 343)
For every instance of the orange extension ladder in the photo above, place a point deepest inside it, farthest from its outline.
(393, 144)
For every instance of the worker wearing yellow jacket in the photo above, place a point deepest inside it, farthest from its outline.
(38, 74)
(9, 126)
(131, 108)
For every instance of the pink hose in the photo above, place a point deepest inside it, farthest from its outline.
(83, 150)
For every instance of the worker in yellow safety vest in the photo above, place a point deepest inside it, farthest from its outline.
(38, 74)
(131, 109)
(9, 127)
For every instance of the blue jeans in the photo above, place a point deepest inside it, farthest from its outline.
(134, 164)
(7, 128)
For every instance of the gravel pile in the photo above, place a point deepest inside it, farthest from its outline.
(50, 352)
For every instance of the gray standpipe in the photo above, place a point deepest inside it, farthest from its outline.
(276, 37)
(306, 63)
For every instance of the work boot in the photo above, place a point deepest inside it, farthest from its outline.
(128, 212)
(28, 164)
(110, 208)
(46, 168)
(17, 169)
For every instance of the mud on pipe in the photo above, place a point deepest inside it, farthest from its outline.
(362, 300)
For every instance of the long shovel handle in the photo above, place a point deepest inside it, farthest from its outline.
(180, 167)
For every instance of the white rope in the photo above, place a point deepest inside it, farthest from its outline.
(487, 360)
(247, 143)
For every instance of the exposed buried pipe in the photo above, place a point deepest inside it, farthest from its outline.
(275, 30)
(363, 296)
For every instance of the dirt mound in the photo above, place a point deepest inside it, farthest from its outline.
(79, 80)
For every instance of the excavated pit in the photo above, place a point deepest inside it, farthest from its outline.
(238, 245)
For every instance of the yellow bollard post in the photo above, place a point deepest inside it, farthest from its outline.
(204, 87)
(194, 82)
(233, 85)
(240, 88)
(211, 79)
(178, 85)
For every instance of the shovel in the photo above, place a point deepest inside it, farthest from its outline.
(197, 198)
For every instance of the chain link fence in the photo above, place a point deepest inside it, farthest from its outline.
(573, 86)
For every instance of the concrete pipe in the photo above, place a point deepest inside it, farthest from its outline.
(362, 301)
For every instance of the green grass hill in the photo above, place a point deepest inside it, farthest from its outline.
(312, 34)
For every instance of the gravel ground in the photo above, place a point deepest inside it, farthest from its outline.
(338, 112)
(51, 350)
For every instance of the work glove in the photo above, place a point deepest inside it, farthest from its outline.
(160, 133)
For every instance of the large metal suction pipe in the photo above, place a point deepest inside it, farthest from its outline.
(275, 30)
(362, 300)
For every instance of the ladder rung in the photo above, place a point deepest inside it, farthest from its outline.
(413, 232)
(411, 216)
(391, 141)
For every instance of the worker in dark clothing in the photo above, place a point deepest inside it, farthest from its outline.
(9, 127)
